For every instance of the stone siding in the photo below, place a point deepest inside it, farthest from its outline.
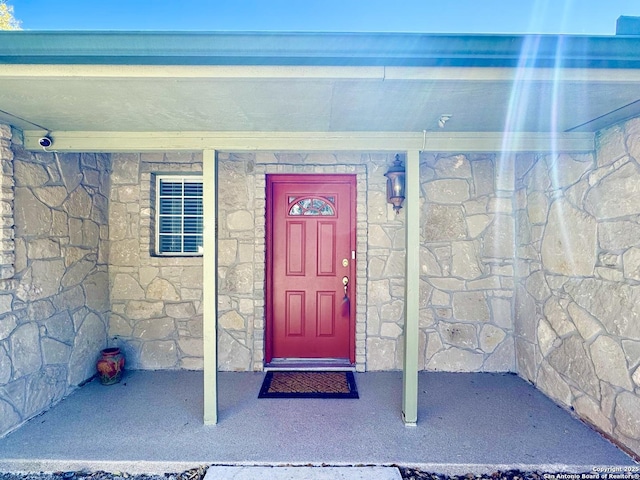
(578, 289)
(467, 258)
(156, 302)
(54, 302)
(467, 267)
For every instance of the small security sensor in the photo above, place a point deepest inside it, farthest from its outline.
(45, 142)
(444, 118)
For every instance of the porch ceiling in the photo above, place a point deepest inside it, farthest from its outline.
(143, 90)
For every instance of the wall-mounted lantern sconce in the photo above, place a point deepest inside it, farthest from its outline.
(395, 184)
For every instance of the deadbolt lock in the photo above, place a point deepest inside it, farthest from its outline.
(345, 262)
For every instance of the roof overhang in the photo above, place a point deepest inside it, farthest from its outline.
(124, 91)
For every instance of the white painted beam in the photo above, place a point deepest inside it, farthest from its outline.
(412, 289)
(78, 141)
(210, 287)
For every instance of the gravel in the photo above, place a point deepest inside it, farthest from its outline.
(199, 473)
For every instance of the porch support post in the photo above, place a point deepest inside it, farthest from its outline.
(412, 289)
(209, 286)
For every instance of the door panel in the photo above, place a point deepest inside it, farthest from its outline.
(310, 231)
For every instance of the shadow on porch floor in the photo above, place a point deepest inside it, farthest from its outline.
(152, 422)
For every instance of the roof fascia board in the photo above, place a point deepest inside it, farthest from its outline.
(318, 49)
(322, 73)
(313, 141)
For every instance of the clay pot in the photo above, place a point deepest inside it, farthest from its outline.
(110, 366)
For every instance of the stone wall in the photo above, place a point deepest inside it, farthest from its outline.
(577, 308)
(54, 301)
(156, 302)
(467, 281)
(241, 247)
(467, 258)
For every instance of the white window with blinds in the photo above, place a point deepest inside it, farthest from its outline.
(179, 217)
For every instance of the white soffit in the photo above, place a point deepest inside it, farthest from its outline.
(113, 98)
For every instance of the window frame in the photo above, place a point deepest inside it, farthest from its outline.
(182, 178)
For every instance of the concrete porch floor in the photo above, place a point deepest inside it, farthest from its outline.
(152, 422)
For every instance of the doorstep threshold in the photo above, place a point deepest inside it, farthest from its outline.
(310, 364)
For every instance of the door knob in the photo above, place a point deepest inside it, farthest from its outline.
(345, 282)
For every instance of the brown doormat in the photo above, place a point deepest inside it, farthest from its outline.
(309, 385)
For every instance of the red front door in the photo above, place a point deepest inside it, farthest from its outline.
(310, 253)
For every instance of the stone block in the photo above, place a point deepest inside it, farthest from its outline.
(477, 224)
(618, 235)
(569, 245)
(159, 354)
(55, 352)
(610, 362)
(69, 168)
(32, 217)
(125, 253)
(616, 195)
(448, 191)
(610, 145)
(443, 223)
(394, 265)
(51, 196)
(180, 310)
(43, 248)
(428, 263)
(552, 384)
(78, 203)
(501, 312)
(161, 289)
(526, 359)
(239, 279)
(77, 272)
(557, 316)
(615, 305)
(537, 207)
(139, 310)
(125, 287)
(483, 177)
(240, 220)
(91, 337)
(5, 366)
(119, 327)
(390, 330)
(232, 321)
(392, 312)
(465, 262)
(232, 355)
(631, 263)
(585, 323)
(125, 168)
(569, 169)
(192, 347)
(60, 327)
(499, 238)
(6, 305)
(196, 363)
(27, 174)
(96, 289)
(154, 328)
(503, 357)
(572, 360)
(456, 166)
(491, 337)
(381, 354)
(470, 306)
(456, 360)
(547, 338)
(627, 415)
(458, 334)
(71, 299)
